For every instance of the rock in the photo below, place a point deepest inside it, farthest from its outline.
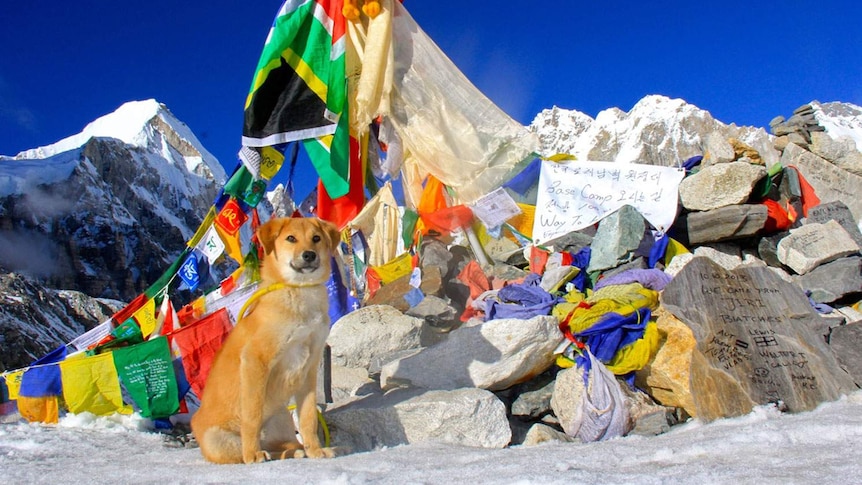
(846, 343)
(797, 139)
(493, 355)
(668, 377)
(719, 186)
(767, 248)
(504, 272)
(776, 121)
(717, 149)
(839, 212)
(535, 403)
(757, 341)
(832, 281)
(723, 224)
(574, 241)
(618, 237)
(501, 249)
(742, 150)
(437, 313)
(372, 331)
(814, 244)
(638, 263)
(728, 256)
(350, 382)
(463, 417)
(541, 433)
(649, 418)
(393, 293)
(841, 152)
(434, 252)
(828, 181)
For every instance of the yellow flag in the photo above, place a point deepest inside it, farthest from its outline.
(523, 222)
(146, 317)
(398, 267)
(13, 383)
(270, 162)
(91, 384)
(233, 247)
(39, 409)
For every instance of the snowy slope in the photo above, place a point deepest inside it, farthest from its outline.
(134, 123)
(840, 120)
(764, 447)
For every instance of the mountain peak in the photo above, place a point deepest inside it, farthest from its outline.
(145, 124)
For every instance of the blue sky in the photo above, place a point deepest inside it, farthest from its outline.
(64, 65)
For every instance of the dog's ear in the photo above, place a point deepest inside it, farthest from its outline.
(268, 232)
(331, 232)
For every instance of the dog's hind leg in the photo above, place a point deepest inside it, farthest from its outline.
(279, 436)
(221, 446)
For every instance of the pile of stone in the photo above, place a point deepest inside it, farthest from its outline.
(798, 128)
(752, 315)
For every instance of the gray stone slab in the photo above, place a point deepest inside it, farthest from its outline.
(811, 245)
(723, 224)
(832, 281)
(846, 343)
(839, 212)
(757, 341)
(828, 181)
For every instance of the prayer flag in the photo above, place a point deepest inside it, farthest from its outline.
(13, 383)
(147, 373)
(198, 344)
(146, 317)
(43, 377)
(91, 384)
(39, 409)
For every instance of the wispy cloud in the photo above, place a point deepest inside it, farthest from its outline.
(13, 111)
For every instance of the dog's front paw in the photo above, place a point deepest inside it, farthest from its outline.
(315, 453)
(257, 457)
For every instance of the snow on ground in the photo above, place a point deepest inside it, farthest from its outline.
(765, 446)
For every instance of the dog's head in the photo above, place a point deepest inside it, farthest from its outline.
(297, 250)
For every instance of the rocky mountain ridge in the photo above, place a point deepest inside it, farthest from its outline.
(102, 213)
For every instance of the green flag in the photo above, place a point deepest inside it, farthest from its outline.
(145, 370)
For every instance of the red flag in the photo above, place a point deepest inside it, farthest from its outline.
(198, 345)
(343, 209)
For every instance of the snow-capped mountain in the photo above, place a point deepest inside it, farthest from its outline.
(103, 212)
(840, 120)
(658, 130)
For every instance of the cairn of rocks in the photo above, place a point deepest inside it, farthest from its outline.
(753, 314)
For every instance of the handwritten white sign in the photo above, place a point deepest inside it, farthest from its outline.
(575, 195)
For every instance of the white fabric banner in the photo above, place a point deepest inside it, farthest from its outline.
(574, 195)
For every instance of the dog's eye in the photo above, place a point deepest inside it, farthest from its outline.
(291, 239)
(316, 238)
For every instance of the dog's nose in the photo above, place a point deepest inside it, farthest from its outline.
(309, 256)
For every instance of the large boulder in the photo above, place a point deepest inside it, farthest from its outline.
(758, 341)
(370, 332)
(720, 185)
(464, 417)
(492, 355)
(811, 245)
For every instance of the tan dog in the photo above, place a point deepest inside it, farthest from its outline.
(273, 353)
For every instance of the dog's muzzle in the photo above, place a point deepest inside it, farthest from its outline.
(306, 263)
